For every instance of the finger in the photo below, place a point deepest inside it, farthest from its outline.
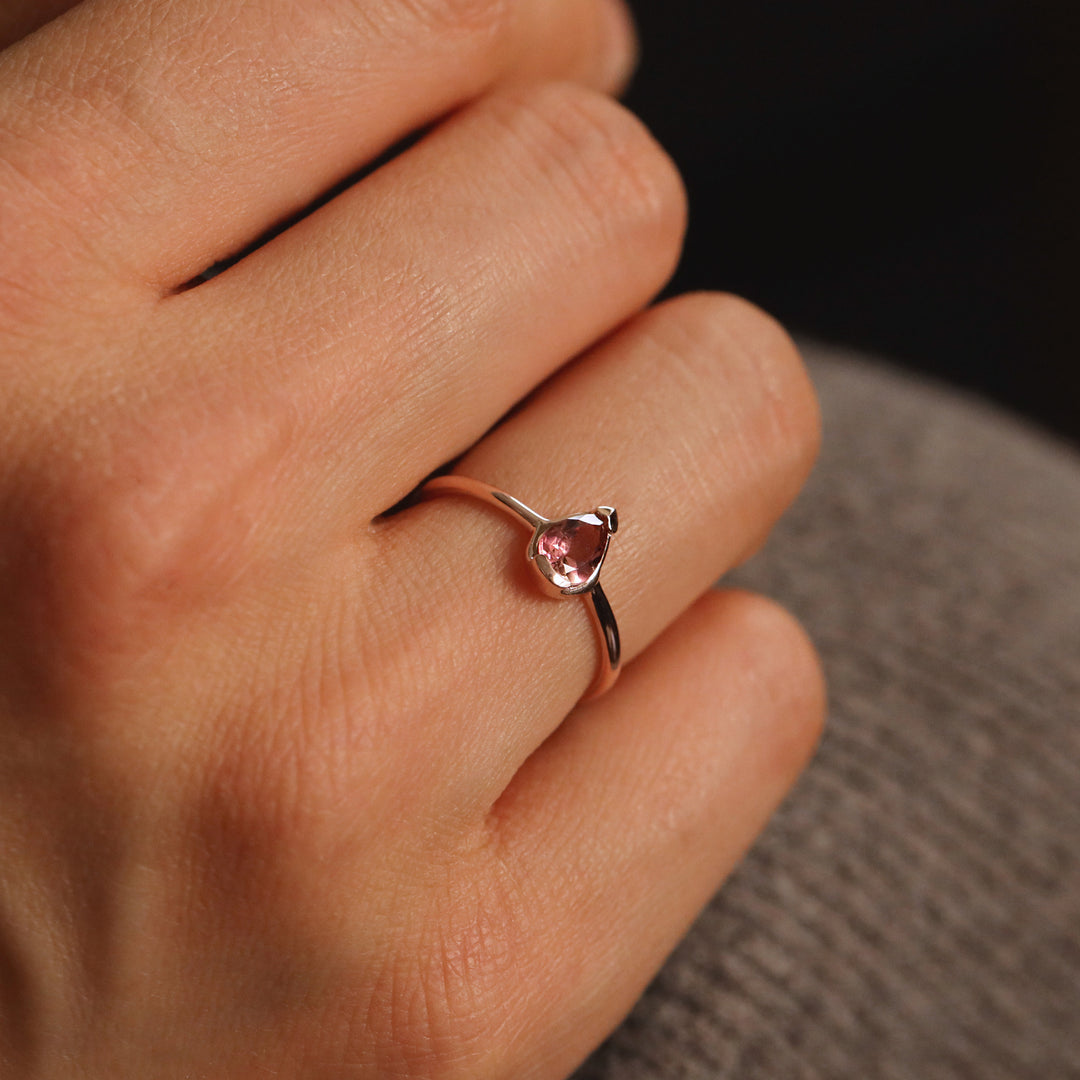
(21, 17)
(168, 135)
(697, 423)
(398, 323)
(617, 831)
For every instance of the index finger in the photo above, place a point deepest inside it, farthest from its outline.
(169, 135)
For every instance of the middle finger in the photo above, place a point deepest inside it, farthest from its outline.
(399, 322)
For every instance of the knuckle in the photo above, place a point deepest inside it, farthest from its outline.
(730, 343)
(125, 526)
(489, 18)
(483, 20)
(788, 673)
(449, 980)
(96, 562)
(791, 407)
(259, 805)
(605, 158)
(40, 173)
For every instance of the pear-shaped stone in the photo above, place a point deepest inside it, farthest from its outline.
(573, 548)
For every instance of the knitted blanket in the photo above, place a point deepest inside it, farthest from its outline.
(913, 912)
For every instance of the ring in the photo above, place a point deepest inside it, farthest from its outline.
(567, 554)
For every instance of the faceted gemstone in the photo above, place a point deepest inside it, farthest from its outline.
(574, 548)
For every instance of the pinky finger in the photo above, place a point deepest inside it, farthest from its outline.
(622, 825)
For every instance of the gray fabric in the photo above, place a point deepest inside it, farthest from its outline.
(914, 910)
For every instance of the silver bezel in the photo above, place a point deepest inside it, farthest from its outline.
(608, 518)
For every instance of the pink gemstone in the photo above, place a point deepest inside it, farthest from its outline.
(574, 548)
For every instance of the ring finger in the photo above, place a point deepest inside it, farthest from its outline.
(696, 422)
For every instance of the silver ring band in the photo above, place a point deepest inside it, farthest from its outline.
(567, 554)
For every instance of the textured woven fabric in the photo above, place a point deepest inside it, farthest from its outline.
(913, 912)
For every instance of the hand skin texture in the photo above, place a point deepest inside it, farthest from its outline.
(290, 786)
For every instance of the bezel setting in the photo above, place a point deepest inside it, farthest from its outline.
(605, 517)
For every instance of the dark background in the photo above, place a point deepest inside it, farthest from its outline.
(898, 175)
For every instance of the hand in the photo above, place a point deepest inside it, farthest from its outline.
(290, 786)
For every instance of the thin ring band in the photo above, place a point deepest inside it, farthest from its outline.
(550, 536)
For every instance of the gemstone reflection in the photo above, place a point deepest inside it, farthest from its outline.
(574, 548)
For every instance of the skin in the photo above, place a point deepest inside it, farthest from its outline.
(290, 786)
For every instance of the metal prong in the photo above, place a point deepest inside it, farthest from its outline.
(611, 516)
